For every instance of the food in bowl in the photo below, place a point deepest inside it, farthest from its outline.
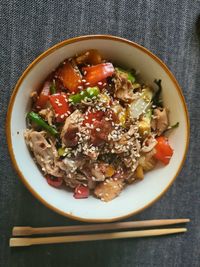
(96, 127)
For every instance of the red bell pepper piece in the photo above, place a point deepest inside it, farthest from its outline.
(91, 117)
(81, 192)
(97, 73)
(70, 78)
(55, 182)
(60, 105)
(44, 96)
(163, 150)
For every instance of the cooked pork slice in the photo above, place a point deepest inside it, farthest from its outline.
(147, 161)
(71, 165)
(161, 122)
(70, 129)
(44, 152)
(123, 87)
(109, 189)
(74, 179)
(48, 114)
(88, 174)
(98, 171)
(148, 144)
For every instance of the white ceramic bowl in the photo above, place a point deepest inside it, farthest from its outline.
(135, 197)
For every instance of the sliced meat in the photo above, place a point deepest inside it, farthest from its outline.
(147, 161)
(48, 114)
(126, 140)
(98, 171)
(71, 165)
(160, 121)
(123, 87)
(109, 189)
(70, 129)
(74, 179)
(87, 172)
(44, 152)
(148, 144)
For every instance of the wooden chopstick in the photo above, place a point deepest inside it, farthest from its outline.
(25, 241)
(27, 230)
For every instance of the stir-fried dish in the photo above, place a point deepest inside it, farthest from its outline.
(95, 128)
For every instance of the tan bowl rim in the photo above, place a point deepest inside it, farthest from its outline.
(36, 61)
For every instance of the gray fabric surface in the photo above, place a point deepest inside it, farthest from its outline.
(170, 29)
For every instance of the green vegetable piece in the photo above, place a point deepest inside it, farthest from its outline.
(92, 91)
(74, 99)
(40, 122)
(53, 88)
(157, 100)
(61, 151)
(172, 126)
(130, 76)
(148, 114)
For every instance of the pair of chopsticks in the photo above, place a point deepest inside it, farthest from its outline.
(28, 231)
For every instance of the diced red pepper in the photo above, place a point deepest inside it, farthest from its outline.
(70, 77)
(54, 181)
(91, 56)
(43, 96)
(81, 192)
(60, 106)
(91, 117)
(97, 73)
(102, 84)
(163, 150)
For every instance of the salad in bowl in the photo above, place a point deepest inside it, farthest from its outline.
(96, 127)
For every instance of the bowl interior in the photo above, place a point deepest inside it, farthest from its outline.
(136, 196)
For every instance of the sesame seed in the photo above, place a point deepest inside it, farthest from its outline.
(87, 84)
(98, 129)
(99, 83)
(83, 80)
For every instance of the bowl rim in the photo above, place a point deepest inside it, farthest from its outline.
(45, 54)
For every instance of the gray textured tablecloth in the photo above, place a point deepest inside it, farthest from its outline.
(171, 30)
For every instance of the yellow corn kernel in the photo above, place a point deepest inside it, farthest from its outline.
(122, 118)
(144, 128)
(109, 171)
(139, 172)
